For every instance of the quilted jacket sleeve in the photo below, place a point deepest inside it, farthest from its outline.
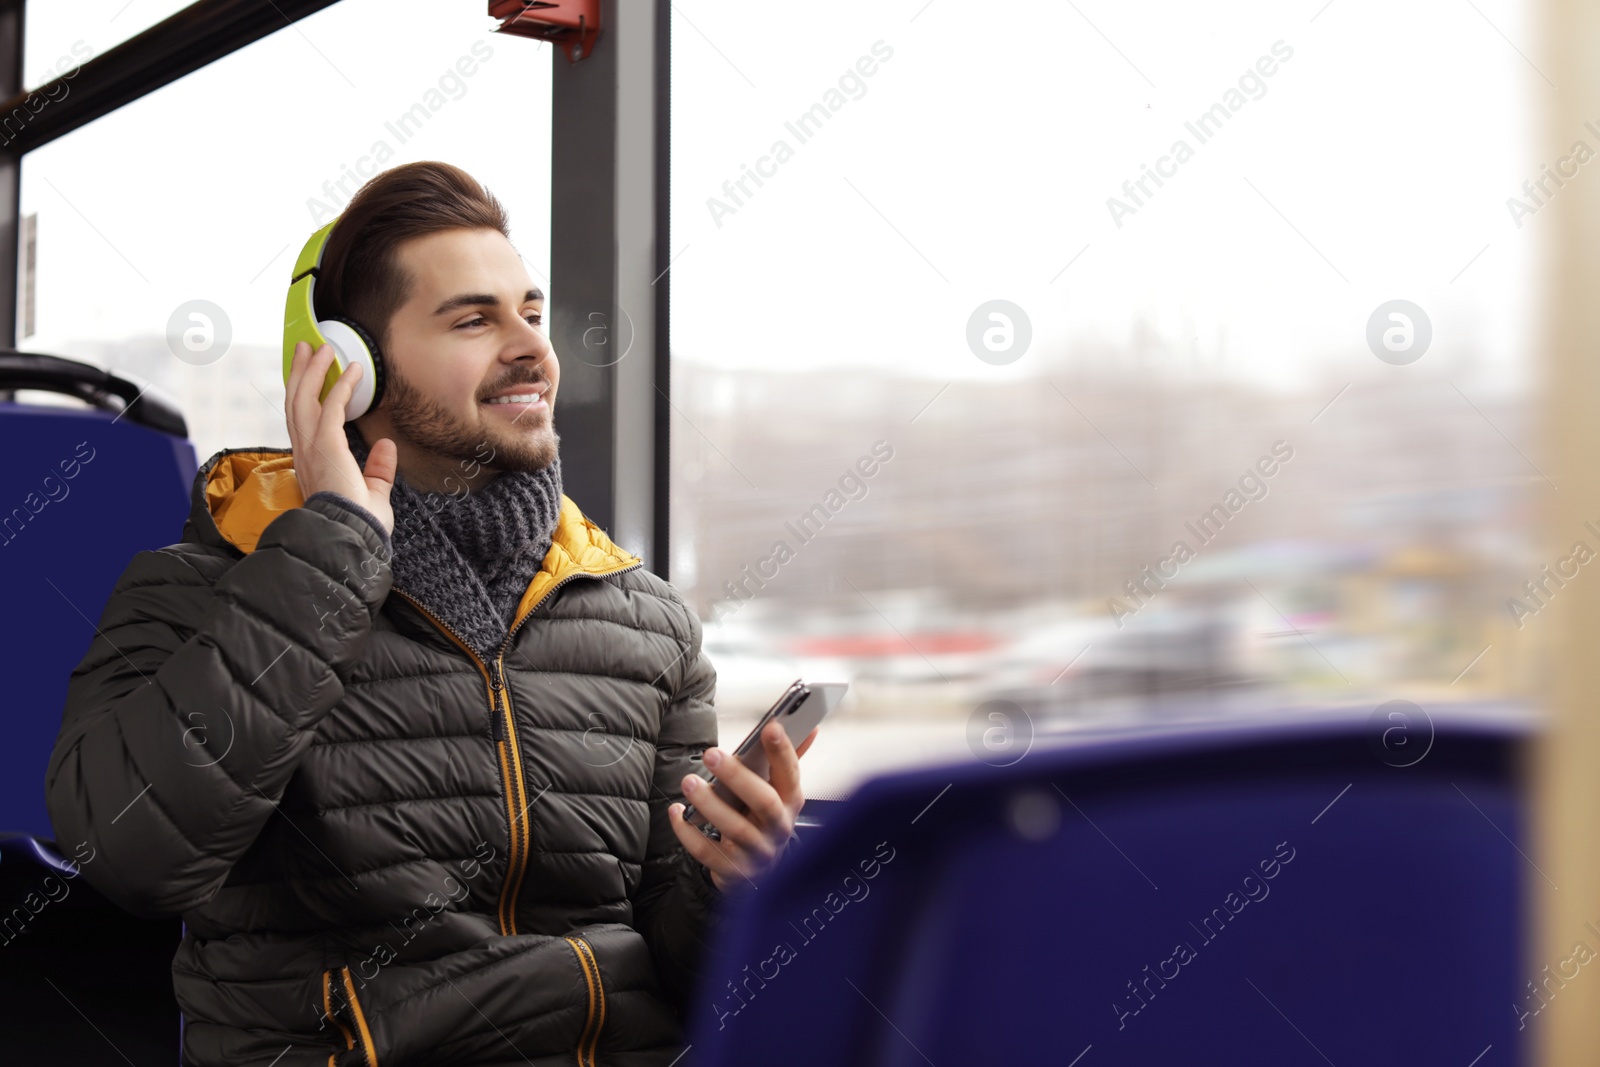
(196, 701)
(675, 906)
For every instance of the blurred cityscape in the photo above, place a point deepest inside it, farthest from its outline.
(1022, 546)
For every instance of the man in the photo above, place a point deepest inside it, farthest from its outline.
(399, 732)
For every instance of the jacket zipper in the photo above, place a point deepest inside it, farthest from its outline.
(519, 863)
(330, 1012)
(503, 734)
(360, 1019)
(507, 748)
(349, 1004)
(596, 1018)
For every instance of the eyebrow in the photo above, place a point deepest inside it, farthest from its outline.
(466, 300)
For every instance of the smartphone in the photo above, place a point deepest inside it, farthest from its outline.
(801, 707)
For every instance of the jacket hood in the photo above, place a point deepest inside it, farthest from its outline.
(239, 491)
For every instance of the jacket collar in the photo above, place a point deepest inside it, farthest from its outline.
(239, 491)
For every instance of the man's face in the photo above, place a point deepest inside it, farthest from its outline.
(472, 329)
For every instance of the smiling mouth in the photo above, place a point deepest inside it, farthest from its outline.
(519, 404)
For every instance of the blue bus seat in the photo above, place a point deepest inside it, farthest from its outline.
(1251, 893)
(82, 490)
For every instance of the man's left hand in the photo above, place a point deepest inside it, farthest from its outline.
(752, 841)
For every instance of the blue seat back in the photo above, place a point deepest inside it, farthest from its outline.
(1227, 896)
(81, 492)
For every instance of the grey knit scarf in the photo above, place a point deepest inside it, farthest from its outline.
(469, 558)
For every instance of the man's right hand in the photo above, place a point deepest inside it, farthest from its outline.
(322, 457)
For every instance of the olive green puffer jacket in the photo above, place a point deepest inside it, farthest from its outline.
(387, 852)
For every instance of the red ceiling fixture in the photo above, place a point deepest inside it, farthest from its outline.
(572, 24)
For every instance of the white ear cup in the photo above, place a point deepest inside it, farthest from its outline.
(348, 347)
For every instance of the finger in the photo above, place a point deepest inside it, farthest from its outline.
(306, 399)
(736, 860)
(715, 855)
(297, 366)
(331, 420)
(313, 366)
(291, 390)
(764, 806)
(785, 763)
(687, 834)
(382, 460)
(734, 826)
(812, 736)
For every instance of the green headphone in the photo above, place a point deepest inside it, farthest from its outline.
(351, 343)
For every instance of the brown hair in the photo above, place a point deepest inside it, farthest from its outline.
(361, 277)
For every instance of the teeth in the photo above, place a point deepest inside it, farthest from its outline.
(524, 398)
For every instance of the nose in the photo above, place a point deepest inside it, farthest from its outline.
(535, 344)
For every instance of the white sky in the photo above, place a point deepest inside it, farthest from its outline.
(1390, 141)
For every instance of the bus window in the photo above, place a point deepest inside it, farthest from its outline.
(1117, 366)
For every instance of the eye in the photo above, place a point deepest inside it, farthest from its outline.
(536, 317)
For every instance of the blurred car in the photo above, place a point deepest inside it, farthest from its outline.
(1091, 667)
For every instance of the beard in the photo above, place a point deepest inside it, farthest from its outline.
(526, 443)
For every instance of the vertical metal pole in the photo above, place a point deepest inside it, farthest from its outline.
(607, 168)
(11, 20)
(661, 291)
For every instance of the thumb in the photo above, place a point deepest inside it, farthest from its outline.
(382, 460)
